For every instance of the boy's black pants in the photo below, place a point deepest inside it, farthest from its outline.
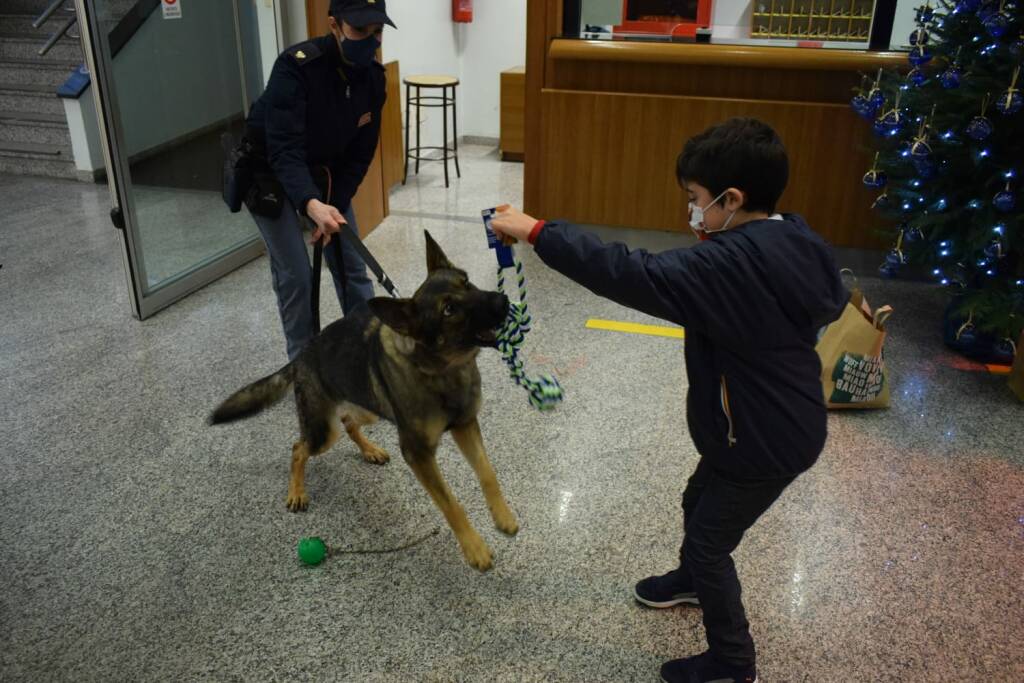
(716, 513)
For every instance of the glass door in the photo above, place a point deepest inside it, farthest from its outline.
(169, 78)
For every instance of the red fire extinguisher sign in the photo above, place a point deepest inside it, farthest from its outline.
(462, 11)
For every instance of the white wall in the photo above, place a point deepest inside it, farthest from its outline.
(903, 24)
(601, 12)
(426, 42)
(732, 18)
(268, 35)
(294, 17)
(494, 42)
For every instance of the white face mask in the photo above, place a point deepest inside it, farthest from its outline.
(697, 217)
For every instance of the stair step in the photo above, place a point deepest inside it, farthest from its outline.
(49, 167)
(22, 23)
(32, 148)
(27, 46)
(15, 118)
(49, 133)
(35, 71)
(34, 98)
(33, 7)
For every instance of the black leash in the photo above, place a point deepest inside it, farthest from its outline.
(353, 240)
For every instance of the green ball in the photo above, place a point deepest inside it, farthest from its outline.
(313, 550)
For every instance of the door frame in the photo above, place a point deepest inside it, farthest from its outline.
(100, 64)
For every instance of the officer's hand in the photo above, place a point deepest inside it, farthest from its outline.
(327, 218)
(512, 225)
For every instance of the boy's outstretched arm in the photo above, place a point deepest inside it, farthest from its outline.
(649, 283)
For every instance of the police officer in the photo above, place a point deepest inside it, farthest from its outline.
(317, 124)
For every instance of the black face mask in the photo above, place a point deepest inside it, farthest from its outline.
(360, 52)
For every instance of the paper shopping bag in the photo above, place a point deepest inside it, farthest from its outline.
(853, 373)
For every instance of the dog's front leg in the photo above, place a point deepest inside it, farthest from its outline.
(471, 443)
(424, 465)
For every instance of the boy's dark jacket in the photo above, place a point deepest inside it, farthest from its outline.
(752, 300)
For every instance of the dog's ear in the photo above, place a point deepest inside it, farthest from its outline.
(398, 314)
(436, 260)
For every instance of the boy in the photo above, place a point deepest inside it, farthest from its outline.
(752, 296)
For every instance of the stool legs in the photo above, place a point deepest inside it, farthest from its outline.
(408, 123)
(444, 118)
(455, 125)
(418, 117)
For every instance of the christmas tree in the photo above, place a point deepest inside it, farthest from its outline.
(950, 156)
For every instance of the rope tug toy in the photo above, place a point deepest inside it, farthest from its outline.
(544, 391)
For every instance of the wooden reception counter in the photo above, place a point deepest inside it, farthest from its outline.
(606, 120)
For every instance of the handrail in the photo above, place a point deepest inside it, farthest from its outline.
(120, 35)
(57, 35)
(47, 13)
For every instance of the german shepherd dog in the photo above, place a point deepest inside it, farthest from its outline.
(410, 361)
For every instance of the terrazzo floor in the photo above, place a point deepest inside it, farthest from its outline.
(136, 543)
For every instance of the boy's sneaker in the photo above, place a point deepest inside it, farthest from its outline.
(668, 590)
(705, 669)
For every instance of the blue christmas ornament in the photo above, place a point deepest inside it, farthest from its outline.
(968, 5)
(876, 99)
(875, 178)
(895, 258)
(917, 77)
(1004, 201)
(979, 128)
(882, 201)
(1010, 102)
(920, 149)
(862, 107)
(887, 271)
(994, 250)
(950, 78)
(1004, 350)
(920, 55)
(967, 336)
(919, 37)
(997, 24)
(1017, 48)
(926, 168)
(913, 235)
(925, 14)
(987, 11)
(891, 123)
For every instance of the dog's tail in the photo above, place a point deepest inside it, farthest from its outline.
(254, 398)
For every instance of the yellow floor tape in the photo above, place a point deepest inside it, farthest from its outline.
(636, 328)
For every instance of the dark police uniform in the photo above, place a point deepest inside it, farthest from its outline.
(318, 112)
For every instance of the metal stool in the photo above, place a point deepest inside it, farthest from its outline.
(431, 101)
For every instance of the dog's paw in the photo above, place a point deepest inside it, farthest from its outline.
(376, 455)
(297, 502)
(477, 554)
(505, 520)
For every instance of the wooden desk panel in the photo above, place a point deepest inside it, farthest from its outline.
(609, 158)
(392, 145)
(606, 120)
(513, 114)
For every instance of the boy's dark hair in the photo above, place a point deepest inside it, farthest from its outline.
(743, 153)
